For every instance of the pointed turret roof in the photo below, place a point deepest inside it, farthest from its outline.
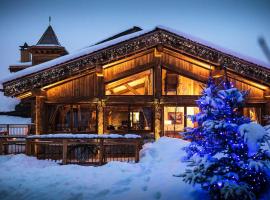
(49, 37)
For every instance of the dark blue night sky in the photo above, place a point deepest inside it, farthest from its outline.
(233, 24)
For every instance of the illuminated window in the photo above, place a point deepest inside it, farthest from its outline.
(138, 84)
(175, 84)
(254, 113)
(175, 119)
(191, 111)
(126, 118)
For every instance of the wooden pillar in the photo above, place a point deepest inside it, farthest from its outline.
(99, 94)
(157, 119)
(100, 87)
(158, 73)
(100, 117)
(39, 110)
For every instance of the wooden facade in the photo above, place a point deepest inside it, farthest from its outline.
(149, 91)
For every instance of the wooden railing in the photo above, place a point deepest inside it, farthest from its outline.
(94, 151)
(12, 144)
(15, 129)
(12, 138)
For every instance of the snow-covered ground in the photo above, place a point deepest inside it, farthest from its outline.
(153, 177)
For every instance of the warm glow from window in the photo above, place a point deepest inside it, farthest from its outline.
(175, 84)
(191, 111)
(137, 84)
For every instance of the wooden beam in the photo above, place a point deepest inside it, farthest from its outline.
(131, 89)
(127, 80)
(127, 90)
(136, 70)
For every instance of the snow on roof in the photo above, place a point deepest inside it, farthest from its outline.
(7, 104)
(216, 47)
(62, 59)
(86, 136)
(6, 119)
(22, 64)
(91, 49)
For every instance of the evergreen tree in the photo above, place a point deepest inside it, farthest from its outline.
(228, 155)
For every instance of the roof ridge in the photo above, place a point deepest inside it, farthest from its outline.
(48, 37)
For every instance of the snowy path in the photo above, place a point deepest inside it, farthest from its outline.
(24, 177)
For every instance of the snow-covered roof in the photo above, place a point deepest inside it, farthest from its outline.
(76, 54)
(22, 64)
(89, 50)
(6, 119)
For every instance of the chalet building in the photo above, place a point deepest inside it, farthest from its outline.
(137, 81)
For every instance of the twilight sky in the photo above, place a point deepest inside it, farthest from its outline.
(232, 24)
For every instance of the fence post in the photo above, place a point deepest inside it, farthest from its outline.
(27, 147)
(101, 151)
(64, 159)
(1, 147)
(137, 150)
(8, 133)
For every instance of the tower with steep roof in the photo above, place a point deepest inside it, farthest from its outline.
(47, 48)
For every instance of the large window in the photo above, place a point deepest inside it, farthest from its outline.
(138, 84)
(175, 84)
(128, 118)
(72, 118)
(176, 119)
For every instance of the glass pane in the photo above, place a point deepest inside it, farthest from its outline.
(173, 119)
(175, 84)
(191, 111)
(138, 84)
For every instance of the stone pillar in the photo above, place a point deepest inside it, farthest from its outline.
(100, 117)
(157, 119)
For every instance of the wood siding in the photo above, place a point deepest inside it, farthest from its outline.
(81, 87)
(184, 67)
(254, 92)
(118, 69)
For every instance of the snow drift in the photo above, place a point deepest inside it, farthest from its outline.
(153, 177)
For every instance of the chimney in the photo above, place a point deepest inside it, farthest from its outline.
(25, 54)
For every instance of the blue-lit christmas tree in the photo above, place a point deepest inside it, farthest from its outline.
(228, 155)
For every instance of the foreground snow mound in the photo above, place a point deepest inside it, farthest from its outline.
(24, 177)
(253, 134)
(7, 104)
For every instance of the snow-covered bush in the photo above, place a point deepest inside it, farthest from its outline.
(228, 155)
